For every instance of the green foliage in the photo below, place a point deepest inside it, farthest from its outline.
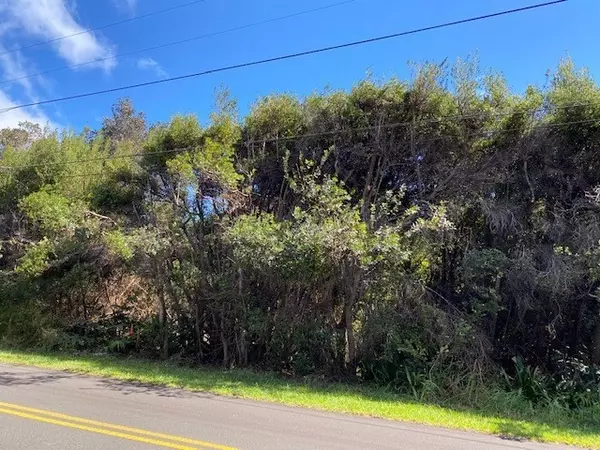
(529, 382)
(424, 235)
(483, 271)
(275, 116)
(25, 325)
(52, 211)
(257, 240)
(36, 258)
(181, 133)
(118, 243)
(124, 125)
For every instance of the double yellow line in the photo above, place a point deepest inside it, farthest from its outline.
(108, 429)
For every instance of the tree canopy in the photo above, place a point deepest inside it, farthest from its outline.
(414, 234)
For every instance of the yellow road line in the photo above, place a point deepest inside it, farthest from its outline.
(98, 430)
(95, 426)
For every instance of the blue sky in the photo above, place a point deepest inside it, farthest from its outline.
(523, 47)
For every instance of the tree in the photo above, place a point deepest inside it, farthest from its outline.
(20, 137)
(125, 125)
(423, 235)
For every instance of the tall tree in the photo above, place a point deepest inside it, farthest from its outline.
(125, 125)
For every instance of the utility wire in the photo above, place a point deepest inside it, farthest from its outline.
(290, 56)
(101, 27)
(482, 133)
(99, 159)
(440, 119)
(344, 131)
(131, 176)
(492, 133)
(392, 125)
(181, 41)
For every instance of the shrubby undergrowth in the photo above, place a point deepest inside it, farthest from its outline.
(438, 236)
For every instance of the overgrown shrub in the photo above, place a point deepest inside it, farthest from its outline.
(427, 236)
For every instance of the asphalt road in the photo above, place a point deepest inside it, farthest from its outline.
(53, 410)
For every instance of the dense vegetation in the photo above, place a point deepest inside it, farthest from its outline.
(439, 236)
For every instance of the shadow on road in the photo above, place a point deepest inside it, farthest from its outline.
(25, 379)
(133, 387)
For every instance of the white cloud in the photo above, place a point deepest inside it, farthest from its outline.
(11, 119)
(150, 64)
(13, 67)
(25, 22)
(52, 19)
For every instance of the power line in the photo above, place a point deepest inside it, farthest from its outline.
(101, 27)
(344, 131)
(419, 122)
(484, 133)
(392, 125)
(84, 175)
(131, 176)
(181, 41)
(544, 126)
(99, 159)
(289, 56)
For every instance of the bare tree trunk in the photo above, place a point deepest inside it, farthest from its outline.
(198, 245)
(160, 283)
(281, 200)
(163, 324)
(596, 345)
(416, 156)
(350, 340)
(243, 348)
(84, 306)
(353, 280)
(224, 345)
(162, 311)
(366, 197)
(197, 329)
(526, 172)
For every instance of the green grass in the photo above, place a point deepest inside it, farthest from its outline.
(515, 419)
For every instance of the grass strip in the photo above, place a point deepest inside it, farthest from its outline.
(517, 421)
